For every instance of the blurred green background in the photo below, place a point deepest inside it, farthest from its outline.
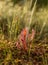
(16, 14)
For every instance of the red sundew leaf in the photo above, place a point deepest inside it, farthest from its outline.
(23, 38)
(24, 45)
(18, 45)
(32, 35)
(24, 32)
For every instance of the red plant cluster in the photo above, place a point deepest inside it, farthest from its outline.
(22, 41)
